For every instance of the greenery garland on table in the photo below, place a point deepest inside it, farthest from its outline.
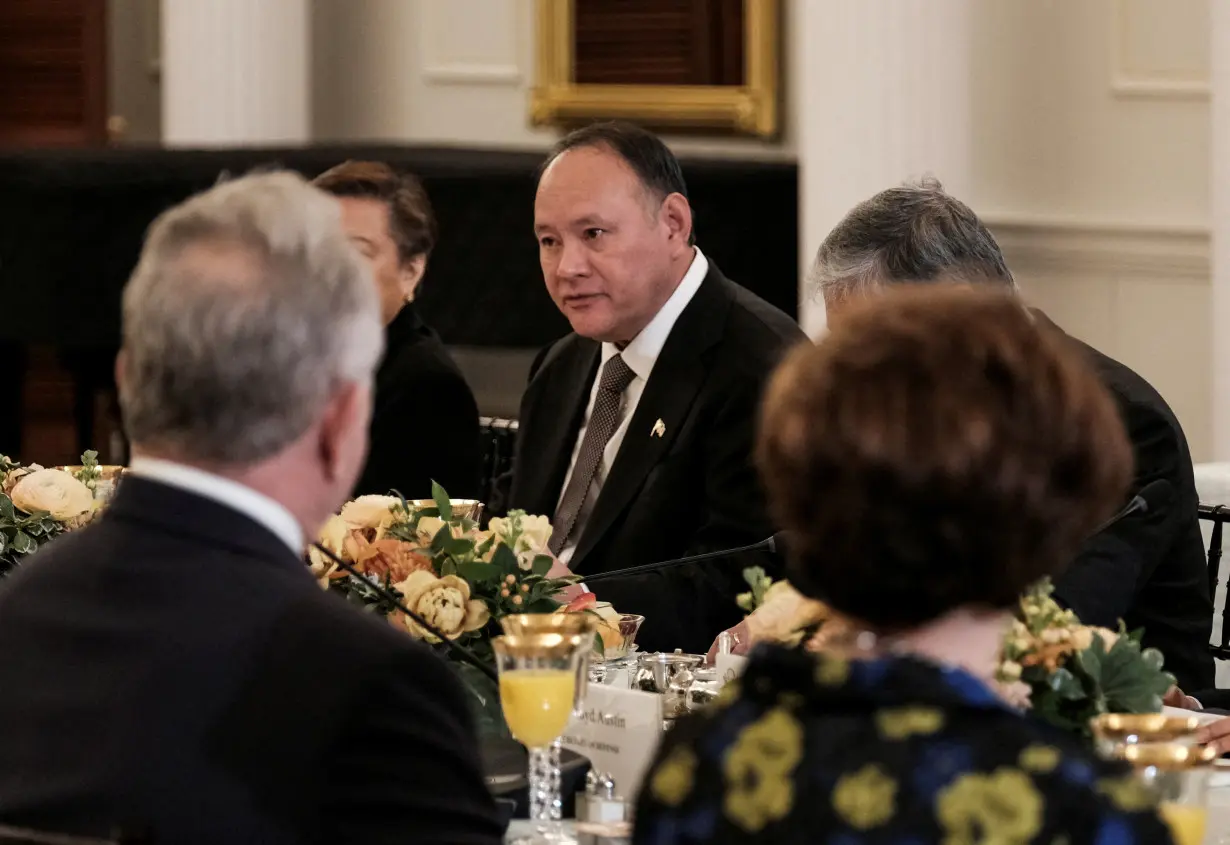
(39, 504)
(460, 578)
(1060, 670)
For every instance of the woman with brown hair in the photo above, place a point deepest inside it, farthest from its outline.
(932, 457)
(425, 424)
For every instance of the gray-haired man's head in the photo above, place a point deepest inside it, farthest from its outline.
(915, 233)
(250, 324)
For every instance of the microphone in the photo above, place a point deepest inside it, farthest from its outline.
(460, 651)
(774, 544)
(1151, 496)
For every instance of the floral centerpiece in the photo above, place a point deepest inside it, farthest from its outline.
(39, 503)
(1062, 671)
(460, 578)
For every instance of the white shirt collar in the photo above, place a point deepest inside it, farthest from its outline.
(642, 353)
(257, 506)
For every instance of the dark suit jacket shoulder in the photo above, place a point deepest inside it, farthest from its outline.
(425, 422)
(1150, 569)
(175, 669)
(690, 490)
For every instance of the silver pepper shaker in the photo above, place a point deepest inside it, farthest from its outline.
(600, 804)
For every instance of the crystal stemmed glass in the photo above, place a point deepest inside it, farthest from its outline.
(538, 692)
(583, 624)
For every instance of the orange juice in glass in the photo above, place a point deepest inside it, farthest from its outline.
(1186, 821)
(537, 703)
(538, 691)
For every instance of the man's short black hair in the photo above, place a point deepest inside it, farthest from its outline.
(650, 159)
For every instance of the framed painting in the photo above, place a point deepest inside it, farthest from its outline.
(671, 64)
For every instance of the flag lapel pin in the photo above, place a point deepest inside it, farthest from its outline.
(659, 429)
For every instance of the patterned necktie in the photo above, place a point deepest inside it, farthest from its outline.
(603, 420)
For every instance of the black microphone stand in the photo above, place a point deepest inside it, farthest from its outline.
(769, 543)
(391, 597)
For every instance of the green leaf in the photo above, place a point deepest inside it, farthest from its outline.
(23, 543)
(458, 546)
(505, 559)
(442, 538)
(443, 503)
(542, 564)
(599, 645)
(1066, 685)
(7, 511)
(543, 605)
(478, 572)
(448, 567)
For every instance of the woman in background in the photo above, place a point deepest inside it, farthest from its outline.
(932, 457)
(424, 421)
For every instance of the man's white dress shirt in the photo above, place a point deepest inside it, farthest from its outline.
(257, 506)
(640, 355)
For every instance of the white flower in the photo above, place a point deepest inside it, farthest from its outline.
(370, 512)
(53, 491)
(531, 540)
(1010, 670)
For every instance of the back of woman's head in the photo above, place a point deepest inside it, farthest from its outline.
(940, 448)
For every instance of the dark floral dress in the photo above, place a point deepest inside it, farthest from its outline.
(818, 749)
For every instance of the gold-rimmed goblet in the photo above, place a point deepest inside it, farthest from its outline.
(538, 690)
(570, 624)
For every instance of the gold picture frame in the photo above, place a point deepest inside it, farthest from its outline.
(752, 108)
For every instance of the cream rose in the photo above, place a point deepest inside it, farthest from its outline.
(53, 491)
(783, 613)
(532, 542)
(444, 602)
(370, 512)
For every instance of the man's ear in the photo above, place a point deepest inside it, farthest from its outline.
(348, 408)
(676, 213)
(411, 274)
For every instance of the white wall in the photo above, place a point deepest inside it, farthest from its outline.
(452, 72)
(1092, 164)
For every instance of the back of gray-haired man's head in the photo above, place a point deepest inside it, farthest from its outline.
(247, 309)
(913, 233)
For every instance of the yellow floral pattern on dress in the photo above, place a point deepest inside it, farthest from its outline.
(1127, 793)
(904, 722)
(672, 782)
(1040, 759)
(758, 770)
(1003, 807)
(832, 671)
(866, 798)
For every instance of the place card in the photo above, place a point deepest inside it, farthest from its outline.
(618, 730)
(729, 667)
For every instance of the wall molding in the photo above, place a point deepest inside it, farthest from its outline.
(1160, 252)
(469, 73)
(1130, 83)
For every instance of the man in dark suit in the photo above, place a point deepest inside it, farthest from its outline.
(425, 424)
(636, 430)
(1148, 569)
(174, 670)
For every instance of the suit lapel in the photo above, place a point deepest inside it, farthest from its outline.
(677, 377)
(553, 431)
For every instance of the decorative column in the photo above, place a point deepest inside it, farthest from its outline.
(1219, 79)
(881, 94)
(235, 72)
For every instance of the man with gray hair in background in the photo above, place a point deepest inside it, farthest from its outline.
(1149, 568)
(174, 670)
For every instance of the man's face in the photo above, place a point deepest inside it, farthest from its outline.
(606, 250)
(366, 222)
